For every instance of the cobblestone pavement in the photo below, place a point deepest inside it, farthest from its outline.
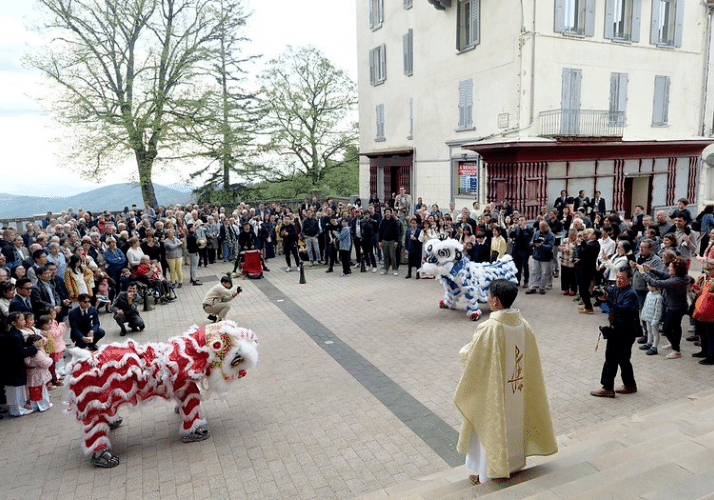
(353, 393)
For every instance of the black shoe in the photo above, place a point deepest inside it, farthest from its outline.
(180, 285)
(123, 332)
(134, 329)
(700, 354)
(266, 269)
(329, 270)
(542, 292)
(706, 361)
(116, 423)
(213, 318)
(642, 340)
(531, 291)
(92, 347)
(196, 283)
(692, 338)
(407, 276)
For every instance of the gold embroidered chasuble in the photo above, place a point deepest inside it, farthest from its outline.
(501, 394)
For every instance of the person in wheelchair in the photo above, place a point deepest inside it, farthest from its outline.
(247, 240)
(149, 273)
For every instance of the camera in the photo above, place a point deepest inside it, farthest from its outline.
(599, 291)
(607, 331)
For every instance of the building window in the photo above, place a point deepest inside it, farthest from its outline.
(411, 119)
(570, 101)
(667, 19)
(622, 19)
(408, 48)
(467, 20)
(575, 17)
(466, 104)
(408, 4)
(378, 65)
(618, 98)
(660, 107)
(376, 13)
(380, 123)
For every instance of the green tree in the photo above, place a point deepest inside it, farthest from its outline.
(129, 77)
(307, 103)
(227, 139)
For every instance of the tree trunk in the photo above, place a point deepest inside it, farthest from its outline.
(145, 163)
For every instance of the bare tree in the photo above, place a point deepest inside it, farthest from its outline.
(130, 77)
(307, 101)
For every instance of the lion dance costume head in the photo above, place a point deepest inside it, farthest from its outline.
(127, 373)
(460, 277)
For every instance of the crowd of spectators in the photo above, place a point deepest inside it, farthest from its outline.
(83, 262)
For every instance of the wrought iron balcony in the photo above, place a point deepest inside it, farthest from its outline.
(581, 123)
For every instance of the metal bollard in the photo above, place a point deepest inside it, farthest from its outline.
(302, 273)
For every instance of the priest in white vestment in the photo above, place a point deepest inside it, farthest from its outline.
(501, 394)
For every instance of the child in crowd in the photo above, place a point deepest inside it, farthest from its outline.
(103, 294)
(38, 374)
(345, 240)
(125, 279)
(13, 352)
(652, 315)
(29, 328)
(45, 324)
(57, 329)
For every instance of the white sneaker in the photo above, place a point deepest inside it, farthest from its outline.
(288, 269)
(374, 269)
(396, 273)
(383, 271)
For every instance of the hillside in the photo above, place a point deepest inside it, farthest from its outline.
(114, 197)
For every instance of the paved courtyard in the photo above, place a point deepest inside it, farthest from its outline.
(353, 393)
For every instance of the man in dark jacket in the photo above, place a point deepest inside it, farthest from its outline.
(542, 244)
(369, 230)
(85, 331)
(522, 250)
(624, 307)
(21, 302)
(125, 311)
(43, 294)
(310, 232)
(290, 238)
(388, 241)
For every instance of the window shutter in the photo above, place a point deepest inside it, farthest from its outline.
(559, 22)
(665, 101)
(678, 23)
(380, 10)
(380, 121)
(658, 101)
(465, 104)
(654, 27)
(475, 8)
(411, 118)
(371, 13)
(590, 17)
(636, 18)
(613, 93)
(458, 26)
(372, 76)
(408, 49)
(383, 62)
(609, 19)
(622, 97)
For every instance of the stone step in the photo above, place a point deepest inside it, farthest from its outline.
(657, 453)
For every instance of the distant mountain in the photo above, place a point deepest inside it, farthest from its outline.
(114, 197)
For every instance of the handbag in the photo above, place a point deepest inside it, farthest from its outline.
(704, 307)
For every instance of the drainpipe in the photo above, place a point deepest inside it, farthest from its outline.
(707, 52)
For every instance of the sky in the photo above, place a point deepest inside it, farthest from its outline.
(31, 142)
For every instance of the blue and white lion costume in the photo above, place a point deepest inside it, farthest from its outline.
(459, 276)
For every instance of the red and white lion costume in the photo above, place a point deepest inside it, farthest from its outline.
(126, 373)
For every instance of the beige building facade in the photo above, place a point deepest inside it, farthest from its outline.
(494, 100)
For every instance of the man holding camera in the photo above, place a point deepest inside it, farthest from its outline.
(216, 301)
(620, 335)
(542, 244)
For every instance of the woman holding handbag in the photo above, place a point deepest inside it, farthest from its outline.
(704, 313)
